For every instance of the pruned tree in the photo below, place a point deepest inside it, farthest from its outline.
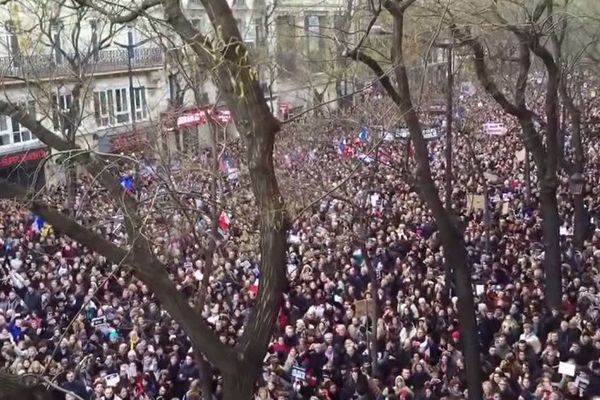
(236, 77)
(451, 233)
(542, 145)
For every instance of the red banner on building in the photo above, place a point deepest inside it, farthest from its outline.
(25, 156)
(199, 116)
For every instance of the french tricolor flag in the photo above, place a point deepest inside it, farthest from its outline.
(38, 223)
(341, 147)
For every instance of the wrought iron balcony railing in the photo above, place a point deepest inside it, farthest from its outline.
(49, 65)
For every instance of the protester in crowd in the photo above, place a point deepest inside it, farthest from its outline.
(67, 312)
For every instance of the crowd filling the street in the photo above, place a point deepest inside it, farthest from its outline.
(368, 312)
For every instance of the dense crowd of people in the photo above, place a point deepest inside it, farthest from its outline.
(371, 244)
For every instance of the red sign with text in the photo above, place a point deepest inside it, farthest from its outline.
(199, 116)
(25, 156)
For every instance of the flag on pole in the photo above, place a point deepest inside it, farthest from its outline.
(38, 223)
(127, 182)
(363, 134)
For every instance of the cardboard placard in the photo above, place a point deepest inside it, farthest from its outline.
(475, 202)
(364, 307)
(505, 208)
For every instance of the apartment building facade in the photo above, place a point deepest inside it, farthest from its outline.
(51, 60)
(290, 40)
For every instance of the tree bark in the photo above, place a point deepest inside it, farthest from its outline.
(71, 188)
(527, 178)
(258, 128)
(236, 78)
(451, 236)
(580, 215)
(448, 149)
(545, 156)
(240, 385)
(552, 254)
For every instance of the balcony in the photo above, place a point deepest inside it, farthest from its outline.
(44, 66)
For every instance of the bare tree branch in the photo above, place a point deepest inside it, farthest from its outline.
(129, 16)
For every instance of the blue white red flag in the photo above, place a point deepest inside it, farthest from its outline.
(127, 182)
(341, 146)
(363, 134)
(38, 223)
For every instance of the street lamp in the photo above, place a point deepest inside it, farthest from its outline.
(577, 183)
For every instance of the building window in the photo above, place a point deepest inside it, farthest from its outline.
(239, 3)
(12, 132)
(286, 42)
(62, 106)
(121, 106)
(94, 39)
(112, 106)
(103, 105)
(258, 32)
(10, 41)
(5, 130)
(56, 28)
(312, 26)
(139, 97)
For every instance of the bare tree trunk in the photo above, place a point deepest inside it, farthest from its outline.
(71, 187)
(578, 167)
(545, 156)
(239, 386)
(580, 221)
(448, 149)
(552, 255)
(451, 234)
(527, 178)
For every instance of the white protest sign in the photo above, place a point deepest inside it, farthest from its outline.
(431, 133)
(566, 368)
(402, 133)
(112, 380)
(495, 129)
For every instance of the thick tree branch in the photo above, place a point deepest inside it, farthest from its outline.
(381, 75)
(551, 107)
(483, 73)
(149, 270)
(117, 18)
(519, 110)
(257, 125)
(539, 10)
(450, 233)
